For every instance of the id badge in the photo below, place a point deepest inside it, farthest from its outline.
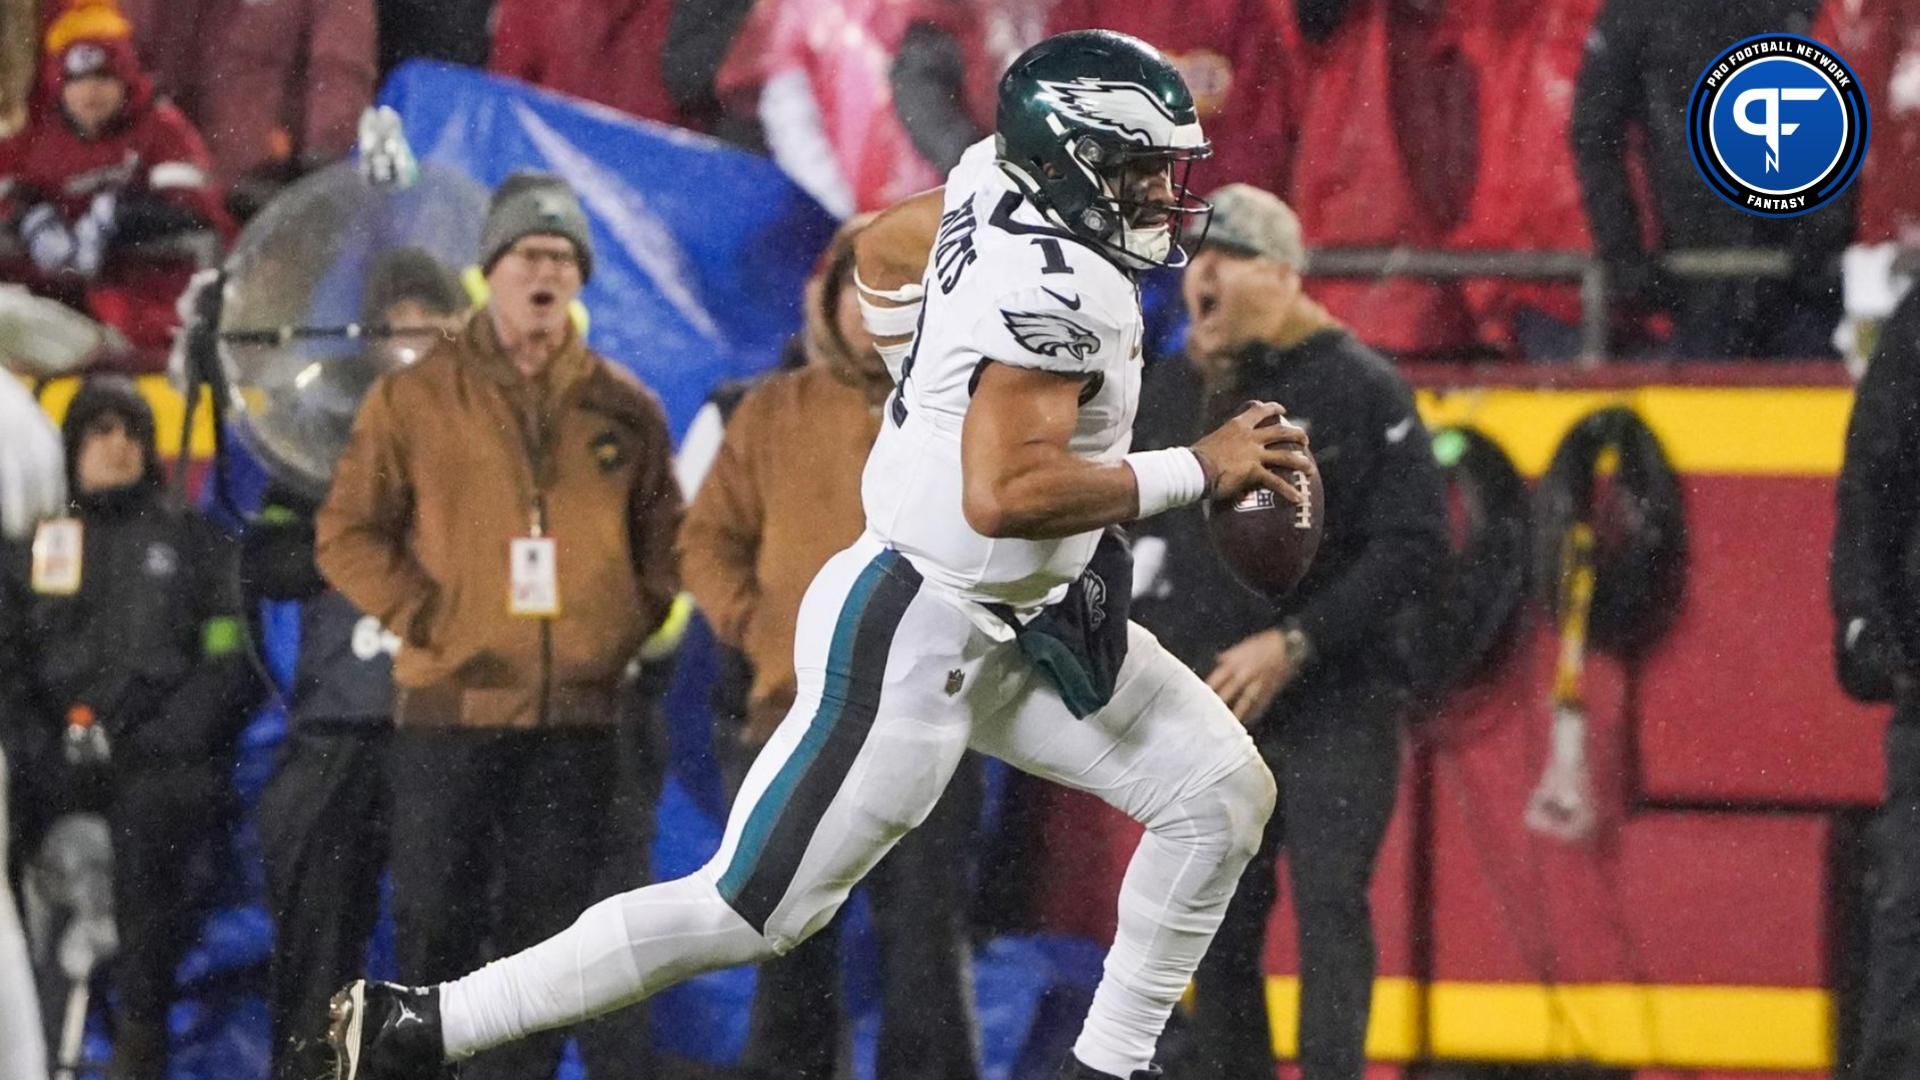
(56, 557)
(534, 575)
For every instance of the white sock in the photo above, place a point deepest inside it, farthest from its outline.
(619, 951)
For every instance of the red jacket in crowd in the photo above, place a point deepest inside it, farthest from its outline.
(1381, 158)
(845, 49)
(607, 51)
(143, 176)
(1525, 56)
(1880, 39)
(1229, 53)
(268, 82)
(149, 149)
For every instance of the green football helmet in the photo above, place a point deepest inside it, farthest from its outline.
(1083, 116)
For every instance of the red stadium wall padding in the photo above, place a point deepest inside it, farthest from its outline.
(1739, 704)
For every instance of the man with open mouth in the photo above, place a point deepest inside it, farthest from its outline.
(506, 506)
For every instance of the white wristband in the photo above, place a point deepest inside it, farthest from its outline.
(898, 317)
(1167, 478)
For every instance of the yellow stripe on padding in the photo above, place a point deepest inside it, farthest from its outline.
(1753, 431)
(1763, 431)
(1393, 1031)
(1779, 1029)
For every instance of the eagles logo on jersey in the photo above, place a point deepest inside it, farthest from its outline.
(1045, 333)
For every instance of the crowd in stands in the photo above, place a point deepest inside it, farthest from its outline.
(1440, 125)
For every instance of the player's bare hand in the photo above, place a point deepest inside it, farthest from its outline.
(1241, 455)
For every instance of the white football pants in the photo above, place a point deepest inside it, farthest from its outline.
(895, 682)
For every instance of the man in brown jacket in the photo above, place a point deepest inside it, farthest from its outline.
(507, 507)
(782, 498)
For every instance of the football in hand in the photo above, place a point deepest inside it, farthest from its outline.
(1268, 542)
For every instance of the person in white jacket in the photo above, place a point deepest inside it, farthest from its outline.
(23, 1050)
(32, 486)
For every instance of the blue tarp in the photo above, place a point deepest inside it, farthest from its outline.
(700, 250)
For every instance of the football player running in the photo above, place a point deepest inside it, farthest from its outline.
(984, 606)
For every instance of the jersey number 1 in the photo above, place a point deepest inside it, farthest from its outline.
(1056, 259)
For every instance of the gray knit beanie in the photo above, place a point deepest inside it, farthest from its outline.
(530, 204)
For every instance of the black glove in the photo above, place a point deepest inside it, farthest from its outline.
(1868, 661)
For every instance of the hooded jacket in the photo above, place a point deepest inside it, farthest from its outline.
(782, 497)
(152, 640)
(149, 154)
(449, 461)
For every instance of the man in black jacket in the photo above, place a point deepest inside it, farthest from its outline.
(1642, 59)
(124, 618)
(1876, 606)
(323, 815)
(1315, 676)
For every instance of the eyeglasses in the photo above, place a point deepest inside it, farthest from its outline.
(561, 258)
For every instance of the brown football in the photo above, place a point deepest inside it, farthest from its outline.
(1266, 541)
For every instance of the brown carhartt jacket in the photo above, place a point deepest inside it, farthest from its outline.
(783, 497)
(453, 458)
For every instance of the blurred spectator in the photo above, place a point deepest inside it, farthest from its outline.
(454, 31)
(506, 507)
(101, 174)
(1642, 60)
(783, 497)
(1881, 40)
(609, 51)
(1314, 677)
(953, 52)
(1875, 599)
(1525, 56)
(655, 59)
(1229, 53)
(124, 620)
(20, 30)
(26, 1056)
(32, 467)
(819, 74)
(323, 815)
(699, 38)
(276, 86)
(1384, 138)
(946, 74)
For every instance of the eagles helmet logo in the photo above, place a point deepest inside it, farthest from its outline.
(1126, 109)
(1047, 334)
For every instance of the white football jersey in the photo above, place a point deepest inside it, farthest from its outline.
(1001, 285)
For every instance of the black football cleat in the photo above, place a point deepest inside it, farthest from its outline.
(1074, 1069)
(380, 1031)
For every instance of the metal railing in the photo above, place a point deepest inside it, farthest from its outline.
(1575, 266)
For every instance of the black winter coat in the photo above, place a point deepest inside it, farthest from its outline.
(1385, 538)
(152, 641)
